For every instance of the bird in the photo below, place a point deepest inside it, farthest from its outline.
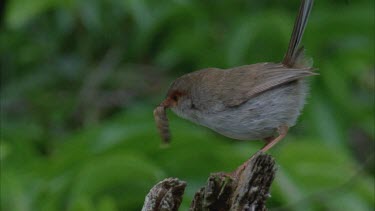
(251, 102)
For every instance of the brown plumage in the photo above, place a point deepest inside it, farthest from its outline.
(247, 102)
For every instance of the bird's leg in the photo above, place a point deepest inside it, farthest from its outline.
(268, 139)
(282, 130)
(236, 173)
(270, 142)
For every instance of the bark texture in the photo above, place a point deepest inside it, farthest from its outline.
(165, 196)
(245, 189)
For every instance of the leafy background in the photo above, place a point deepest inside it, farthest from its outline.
(79, 81)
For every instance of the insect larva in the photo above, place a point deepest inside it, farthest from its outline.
(161, 120)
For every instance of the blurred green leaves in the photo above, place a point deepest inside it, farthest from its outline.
(85, 174)
(79, 79)
(20, 12)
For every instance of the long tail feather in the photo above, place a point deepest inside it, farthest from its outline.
(293, 53)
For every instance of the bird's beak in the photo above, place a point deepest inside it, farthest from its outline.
(168, 103)
(161, 120)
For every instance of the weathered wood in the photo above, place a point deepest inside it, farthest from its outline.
(245, 189)
(165, 196)
(248, 189)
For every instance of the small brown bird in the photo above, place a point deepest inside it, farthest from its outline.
(248, 102)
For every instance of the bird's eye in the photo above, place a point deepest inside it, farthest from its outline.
(175, 98)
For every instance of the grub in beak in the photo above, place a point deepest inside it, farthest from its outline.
(161, 120)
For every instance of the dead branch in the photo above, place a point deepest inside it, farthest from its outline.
(246, 189)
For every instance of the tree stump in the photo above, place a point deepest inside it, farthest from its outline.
(246, 189)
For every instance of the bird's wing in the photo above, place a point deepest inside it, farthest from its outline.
(234, 86)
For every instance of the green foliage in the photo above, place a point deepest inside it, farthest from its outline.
(80, 79)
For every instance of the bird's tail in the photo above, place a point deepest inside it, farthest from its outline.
(295, 55)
